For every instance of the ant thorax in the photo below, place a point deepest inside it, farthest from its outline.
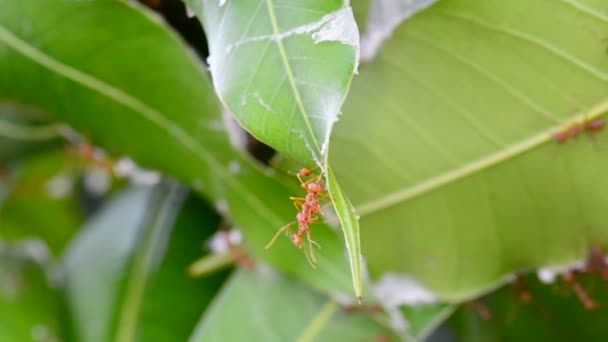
(315, 188)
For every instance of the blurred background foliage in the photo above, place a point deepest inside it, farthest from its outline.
(95, 247)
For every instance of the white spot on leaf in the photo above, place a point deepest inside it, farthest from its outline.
(394, 290)
(236, 134)
(234, 167)
(189, 12)
(126, 168)
(60, 186)
(221, 241)
(97, 181)
(222, 207)
(548, 275)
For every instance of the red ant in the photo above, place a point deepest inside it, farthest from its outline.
(308, 209)
(596, 263)
(570, 279)
(578, 128)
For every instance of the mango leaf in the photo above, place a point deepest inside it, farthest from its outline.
(133, 256)
(257, 301)
(422, 320)
(456, 175)
(350, 227)
(30, 306)
(41, 201)
(533, 311)
(18, 135)
(158, 109)
(283, 68)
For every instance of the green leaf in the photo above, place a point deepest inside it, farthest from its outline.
(18, 135)
(257, 301)
(158, 109)
(422, 320)
(40, 200)
(551, 312)
(292, 107)
(446, 147)
(283, 68)
(29, 305)
(133, 257)
(350, 227)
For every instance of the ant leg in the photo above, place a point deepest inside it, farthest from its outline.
(298, 202)
(311, 241)
(285, 229)
(310, 180)
(570, 279)
(312, 262)
(312, 252)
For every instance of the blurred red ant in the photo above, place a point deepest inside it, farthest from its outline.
(597, 263)
(481, 308)
(524, 294)
(92, 155)
(308, 210)
(575, 129)
(570, 279)
(238, 255)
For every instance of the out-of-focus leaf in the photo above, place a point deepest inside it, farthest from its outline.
(283, 68)
(19, 135)
(159, 109)
(126, 272)
(360, 10)
(422, 320)
(553, 313)
(29, 305)
(41, 201)
(446, 146)
(265, 306)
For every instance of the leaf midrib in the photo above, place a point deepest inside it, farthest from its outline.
(510, 151)
(290, 77)
(158, 224)
(138, 107)
(318, 322)
(476, 166)
(154, 117)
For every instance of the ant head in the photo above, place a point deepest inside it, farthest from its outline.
(304, 172)
(316, 188)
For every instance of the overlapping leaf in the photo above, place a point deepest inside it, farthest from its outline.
(257, 301)
(283, 68)
(456, 174)
(533, 311)
(125, 81)
(29, 303)
(127, 268)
